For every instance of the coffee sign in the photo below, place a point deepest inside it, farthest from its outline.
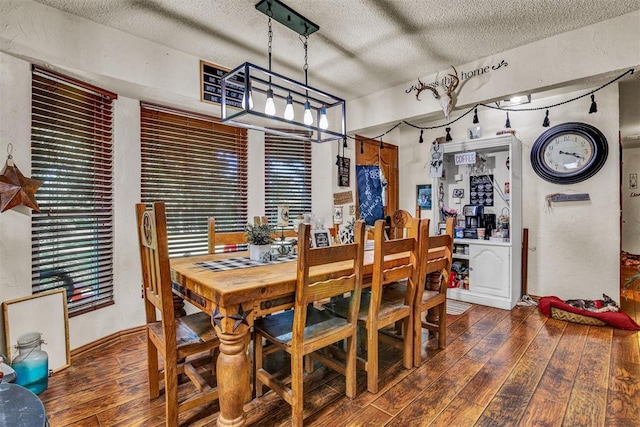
(468, 158)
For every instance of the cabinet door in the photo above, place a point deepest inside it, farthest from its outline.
(489, 270)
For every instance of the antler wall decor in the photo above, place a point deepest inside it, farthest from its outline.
(446, 100)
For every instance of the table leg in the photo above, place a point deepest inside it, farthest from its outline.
(233, 366)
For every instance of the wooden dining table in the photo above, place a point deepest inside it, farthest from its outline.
(234, 298)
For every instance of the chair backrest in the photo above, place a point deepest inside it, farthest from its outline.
(440, 257)
(231, 240)
(309, 290)
(415, 243)
(156, 271)
(399, 221)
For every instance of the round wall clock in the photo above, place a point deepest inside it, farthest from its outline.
(569, 153)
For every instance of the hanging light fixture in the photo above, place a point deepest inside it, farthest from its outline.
(270, 105)
(310, 114)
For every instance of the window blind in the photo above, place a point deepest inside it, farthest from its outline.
(198, 167)
(287, 175)
(71, 152)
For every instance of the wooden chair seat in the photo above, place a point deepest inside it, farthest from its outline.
(194, 330)
(188, 345)
(277, 328)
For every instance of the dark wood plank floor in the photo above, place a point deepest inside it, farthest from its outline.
(500, 368)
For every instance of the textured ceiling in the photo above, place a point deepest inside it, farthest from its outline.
(362, 46)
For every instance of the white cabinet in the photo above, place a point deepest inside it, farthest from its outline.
(492, 267)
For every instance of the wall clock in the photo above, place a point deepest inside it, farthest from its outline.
(569, 153)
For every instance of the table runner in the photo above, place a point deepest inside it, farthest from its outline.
(241, 262)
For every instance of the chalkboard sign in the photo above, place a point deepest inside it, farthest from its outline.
(211, 82)
(369, 193)
(343, 171)
(481, 190)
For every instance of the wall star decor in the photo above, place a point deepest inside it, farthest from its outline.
(16, 189)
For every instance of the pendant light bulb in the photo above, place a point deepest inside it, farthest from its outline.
(308, 117)
(270, 106)
(324, 123)
(250, 99)
(288, 110)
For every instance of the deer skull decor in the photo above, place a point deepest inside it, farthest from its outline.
(447, 99)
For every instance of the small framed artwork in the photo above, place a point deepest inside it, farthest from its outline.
(344, 166)
(337, 215)
(283, 215)
(458, 192)
(51, 321)
(474, 132)
(424, 196)
(321, 238)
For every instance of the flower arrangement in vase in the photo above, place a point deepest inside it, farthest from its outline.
(260, 238)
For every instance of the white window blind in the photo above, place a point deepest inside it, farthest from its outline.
(198, 167)
(287, 175)
(71, 152)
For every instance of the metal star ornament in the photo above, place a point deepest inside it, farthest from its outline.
(240, 317)
(16, 189)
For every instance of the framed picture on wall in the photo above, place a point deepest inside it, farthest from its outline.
(458, 192)
(344, 167)
(423, 194)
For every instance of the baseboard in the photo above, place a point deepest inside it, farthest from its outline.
(77, 352)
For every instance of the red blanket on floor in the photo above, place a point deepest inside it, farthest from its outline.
(564, 311)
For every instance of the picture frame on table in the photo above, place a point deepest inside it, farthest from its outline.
(423, 196)
(337, 215)
(320, 238)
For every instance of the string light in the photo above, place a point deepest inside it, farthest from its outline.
(474, 109)
(594, 106)
(545, 122)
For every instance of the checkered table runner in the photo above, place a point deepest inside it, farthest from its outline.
(244, 262)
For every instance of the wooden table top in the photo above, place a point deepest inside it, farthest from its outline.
(238, 285)
(235, 286)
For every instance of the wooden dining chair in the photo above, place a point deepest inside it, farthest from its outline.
(231, 241)
(390, 300)
(398, 222)
(306, 330)
(185, 343)
(433, 298)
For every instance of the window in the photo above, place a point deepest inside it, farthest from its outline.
(287, 173)
(198, 167)
(71, 152)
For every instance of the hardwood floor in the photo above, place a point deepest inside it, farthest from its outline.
(500, 368)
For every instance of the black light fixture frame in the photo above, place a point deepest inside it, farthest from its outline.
(287, 17)
(249, 77)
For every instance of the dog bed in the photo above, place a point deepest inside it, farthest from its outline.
(556, 308)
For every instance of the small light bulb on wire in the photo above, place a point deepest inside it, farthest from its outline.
(308, 117)
(288, 110)
(324, 123)
(270, 106)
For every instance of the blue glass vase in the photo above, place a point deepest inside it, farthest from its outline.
(31, 364)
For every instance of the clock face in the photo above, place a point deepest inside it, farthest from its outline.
(569, 153)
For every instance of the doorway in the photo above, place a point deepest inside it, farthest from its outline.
(369, 153)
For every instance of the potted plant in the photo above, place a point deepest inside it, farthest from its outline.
(259, 237)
